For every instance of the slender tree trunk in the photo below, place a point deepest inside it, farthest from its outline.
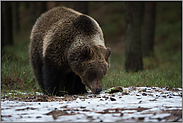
(8, 25)
(43, 6)
(2, 28)
(27, 5)
(81, 7)
(149, 29)
(133, 53)
(52, 4)
(17, 20)
(2, 35)
(33, 8)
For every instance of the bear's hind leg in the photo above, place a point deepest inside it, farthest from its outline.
(37, 65)
(51, 79)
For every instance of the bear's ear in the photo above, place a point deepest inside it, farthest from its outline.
(87, 52)
(107, 53)
(84, 24)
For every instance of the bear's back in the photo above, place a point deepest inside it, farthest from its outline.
(60, 27)
(46, 20)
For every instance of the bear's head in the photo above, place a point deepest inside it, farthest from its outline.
(91, 63)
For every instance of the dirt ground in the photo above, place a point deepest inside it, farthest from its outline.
(132, 104)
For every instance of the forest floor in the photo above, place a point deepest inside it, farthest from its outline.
(132, 104)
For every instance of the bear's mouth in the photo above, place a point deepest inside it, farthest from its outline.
(95, 90)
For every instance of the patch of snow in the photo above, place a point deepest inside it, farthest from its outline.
(147, 104)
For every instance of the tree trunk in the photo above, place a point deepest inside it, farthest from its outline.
(33, 8)
(133, 53)
(81, 7)
(43, 7)
(2, 34)
(8, 25)
(149, 29)
(52, 4)
(17, 20)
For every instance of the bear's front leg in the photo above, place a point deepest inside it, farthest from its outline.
(70, 83)
(79, 87)
(67, 83)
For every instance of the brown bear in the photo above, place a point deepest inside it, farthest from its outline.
(67, 52)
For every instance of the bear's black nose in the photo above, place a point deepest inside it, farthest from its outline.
(98, 90)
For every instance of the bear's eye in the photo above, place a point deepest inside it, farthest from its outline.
(87, 52)
(81, 58)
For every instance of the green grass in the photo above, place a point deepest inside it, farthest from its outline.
(16, 73)
(163, 70)
(160, 71)
(157, 77)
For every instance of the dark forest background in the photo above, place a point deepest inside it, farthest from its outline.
(145, 38)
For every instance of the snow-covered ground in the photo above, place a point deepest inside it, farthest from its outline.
(142, 104)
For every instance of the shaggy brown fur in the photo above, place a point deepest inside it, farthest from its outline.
(67, 52)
